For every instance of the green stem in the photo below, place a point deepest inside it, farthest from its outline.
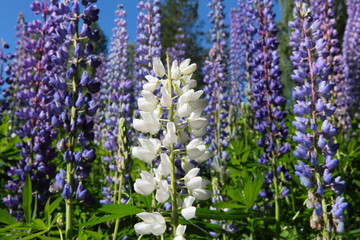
(117, 223)
(70, 166)
(277, 209)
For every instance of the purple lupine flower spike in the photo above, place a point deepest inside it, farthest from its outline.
(351, 58)
(34, 114)
(117, 92)
(268, 101)
(74, 105)
(177, 52)
(315, 133)
(148, 43)
(216, 88)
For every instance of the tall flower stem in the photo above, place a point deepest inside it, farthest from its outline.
(123, 155)
(74, 114)
(174, 197)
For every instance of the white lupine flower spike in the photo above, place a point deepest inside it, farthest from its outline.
(172, 115)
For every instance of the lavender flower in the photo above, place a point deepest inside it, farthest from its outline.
(315, 134)
(177, 52)
(148, 44)
(116, 90)
(36, 93)
(324, 12)
(73, 105)
(351, 58)
(216, 89)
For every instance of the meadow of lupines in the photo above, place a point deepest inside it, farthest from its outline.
(140, 142)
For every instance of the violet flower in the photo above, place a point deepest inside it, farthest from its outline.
(315, 133)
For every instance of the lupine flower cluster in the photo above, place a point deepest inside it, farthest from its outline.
(324, 12)
(315, 134)
(116, 91)
(351, 56)
(73, 105)
(178, 51)
(148, 43)
(215, 69)
(268, 100)
(34, 111)
(14, 71)
(173, 119)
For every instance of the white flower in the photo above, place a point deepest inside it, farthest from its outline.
(184, 64)
(153, 223)
(196, 148)
(148, 124)
(187, 165)
(165, 100)
(149, 102)
(158, 67)
(164, 167)
(196, 121)
(189, 69)
(152, 83)
(148, 150)
(145, 185)
(180, 231)
(170, 136)
(162, 193)
(188, 211)
(184, 104)
(201, 194)
(176, 73)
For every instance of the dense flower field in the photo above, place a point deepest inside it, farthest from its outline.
(143, 143)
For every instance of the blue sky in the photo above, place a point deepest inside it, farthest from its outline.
(11, 8)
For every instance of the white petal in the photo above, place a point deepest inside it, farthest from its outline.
(143, 154)
(158, 67)
(142, 228)
(188, 201)
(201, 194)
(145, 105)
(151, 79)
(193, 183)
(161, 196)
(143, 187)
(166, 100)
(184, 63)
(198, 132)
(179, 238)
(188, 213)
(191, 174)
(203, 157)
(164, 166)
(180, 230)
(190, 69)
(170, 136)
(176, 74)
(158, 229)
(146, 217)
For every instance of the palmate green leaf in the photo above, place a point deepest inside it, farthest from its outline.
(252, 189)
(27, 199)
(6, 218)
(121, 209)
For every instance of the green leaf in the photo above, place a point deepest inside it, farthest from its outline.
(100, 220)
(228, 205)
(121, 209)
(252, 189)
(219, 214)
(94, 235)
(38, 224)
(6, 218)
(33, 236)
(27, 199)
(48, 238)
